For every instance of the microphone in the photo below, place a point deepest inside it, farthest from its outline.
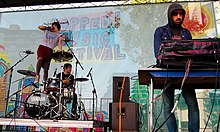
(66, 39)
(89, 72)
(28, 52)
(48, 28)
(55, 72)
(64, 22)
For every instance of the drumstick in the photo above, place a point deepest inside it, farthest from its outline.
(68, 77)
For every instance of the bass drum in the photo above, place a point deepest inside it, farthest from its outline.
(38, 104)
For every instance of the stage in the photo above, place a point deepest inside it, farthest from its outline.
(156, 78)
(54, 123)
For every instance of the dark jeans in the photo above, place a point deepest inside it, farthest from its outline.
(74, 104)
(73, 100)
(193, 111)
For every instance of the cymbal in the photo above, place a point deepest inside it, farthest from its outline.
(27, 73)
(62, 56)
(81, 79)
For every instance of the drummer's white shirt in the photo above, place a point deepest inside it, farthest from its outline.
(50, 39)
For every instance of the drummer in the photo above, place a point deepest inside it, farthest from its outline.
(52, 37)
(68, 82)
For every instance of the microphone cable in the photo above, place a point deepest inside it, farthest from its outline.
(40, 125)
(179, 94)
(120, 106)
(162, 90)
(216, 55)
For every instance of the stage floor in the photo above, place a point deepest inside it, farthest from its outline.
(53, 123)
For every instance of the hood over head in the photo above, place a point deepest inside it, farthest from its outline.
(172, 7)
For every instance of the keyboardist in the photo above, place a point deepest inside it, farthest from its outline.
(174, 30)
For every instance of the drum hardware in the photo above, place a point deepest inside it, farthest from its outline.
(82, 111)
(39, 104)
(59, 105)
(77, 61)
(20, 102)
(20, 105)
(68, 96)
(10, 80)
(65, 56)
(14, 111)
(10, 114)
(66, 114)
(20, 90)
(62, 112)
(65, 38)
(94, 94)
(18, 80)
(29, 73)
(81, 107)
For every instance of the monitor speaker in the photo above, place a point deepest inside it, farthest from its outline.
(117, 85)
(130, 116)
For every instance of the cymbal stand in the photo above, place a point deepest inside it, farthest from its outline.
(18, 90)
(59, 105)
(94, 94)
(81, 107)
(15, 109)
(66, 111)
(77, 61)
(10, 79)
(20, 104)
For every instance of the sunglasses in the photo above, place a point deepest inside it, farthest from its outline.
(176, 13)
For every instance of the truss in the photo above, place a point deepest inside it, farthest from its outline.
(87, 4)
(62, 6)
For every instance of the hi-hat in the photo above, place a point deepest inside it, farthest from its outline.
(81, 79)
(27, 73)
(62, 56)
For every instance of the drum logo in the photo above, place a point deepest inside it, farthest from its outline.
(37, 98)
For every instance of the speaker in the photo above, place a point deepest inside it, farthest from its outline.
(130, 116)
(117, 85)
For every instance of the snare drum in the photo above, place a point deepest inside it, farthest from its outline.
(38, 103)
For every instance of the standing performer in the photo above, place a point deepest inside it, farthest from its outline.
(68, 82)
(52, 37)
(174, 31)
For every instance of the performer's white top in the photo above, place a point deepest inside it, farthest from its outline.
(50, 39)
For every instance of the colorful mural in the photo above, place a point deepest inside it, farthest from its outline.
(4, 77)
(199, 20)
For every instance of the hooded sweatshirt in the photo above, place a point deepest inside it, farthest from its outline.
(168, 31)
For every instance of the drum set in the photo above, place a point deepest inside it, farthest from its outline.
(49, 101)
